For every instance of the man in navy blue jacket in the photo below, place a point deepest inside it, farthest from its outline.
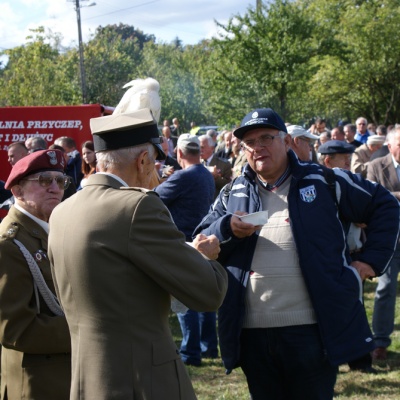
(294, 310)
(188, 193)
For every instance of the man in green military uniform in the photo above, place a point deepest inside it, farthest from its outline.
(35, 361)
(116, 265)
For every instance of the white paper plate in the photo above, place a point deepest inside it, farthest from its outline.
(257, 218)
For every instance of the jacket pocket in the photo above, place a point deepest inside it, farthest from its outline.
(358, 280)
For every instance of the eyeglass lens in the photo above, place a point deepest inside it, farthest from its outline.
(265, 140)
(62, 181)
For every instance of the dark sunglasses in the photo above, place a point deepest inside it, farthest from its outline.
(46, 180)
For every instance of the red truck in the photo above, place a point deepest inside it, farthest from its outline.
(50, 122)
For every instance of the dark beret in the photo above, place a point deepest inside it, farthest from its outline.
(336, 147)
(43, 160)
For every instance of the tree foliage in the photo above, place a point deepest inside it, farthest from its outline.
(112, 58)
(36, 73)
(365, 80)
(304, 58)
(178, 72)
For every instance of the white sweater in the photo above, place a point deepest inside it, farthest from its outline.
(276, 295)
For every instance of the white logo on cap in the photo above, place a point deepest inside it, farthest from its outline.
(254, 115)
(52, 157)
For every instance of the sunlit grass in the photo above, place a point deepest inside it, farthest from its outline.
(211, 383)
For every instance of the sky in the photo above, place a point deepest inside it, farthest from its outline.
(190, 20)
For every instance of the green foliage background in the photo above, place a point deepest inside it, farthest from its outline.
(336, 59)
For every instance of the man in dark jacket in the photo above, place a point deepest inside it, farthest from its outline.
(188, 194)
(293, 311)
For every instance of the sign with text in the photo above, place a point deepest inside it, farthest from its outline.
(49, 122)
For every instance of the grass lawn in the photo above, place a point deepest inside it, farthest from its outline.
(211, 383)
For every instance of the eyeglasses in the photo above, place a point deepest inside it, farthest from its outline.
(46, 181)
(262, 141)
(309, 141)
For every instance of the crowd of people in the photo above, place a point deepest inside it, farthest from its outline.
(99, 239)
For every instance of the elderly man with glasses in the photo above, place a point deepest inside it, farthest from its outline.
(302, 142)
(34, 333)
(293, 310)
(362, 131)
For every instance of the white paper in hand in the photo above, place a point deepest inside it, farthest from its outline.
(257, 218)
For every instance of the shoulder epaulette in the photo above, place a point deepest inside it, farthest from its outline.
(11, 231)
(139, 189)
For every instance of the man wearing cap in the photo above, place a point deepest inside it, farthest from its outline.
(36, 359)
(336, 154)
(362, 155)
(386, 171)
(293, 311)
(116, 273)
(302, 142)
(188, 194)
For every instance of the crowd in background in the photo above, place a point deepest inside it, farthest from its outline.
(198, 166)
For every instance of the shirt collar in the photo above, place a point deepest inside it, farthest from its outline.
(395, 163)
(279, 182)
(121, 181)
(40, 222)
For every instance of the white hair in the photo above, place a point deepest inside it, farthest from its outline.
(209, 139)
(109, 158)
(390, 137)
(361, 119)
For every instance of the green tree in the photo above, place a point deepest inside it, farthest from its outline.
(178, 70)
(35, 73)
(262, 59)
(364, 79)
(112, 58)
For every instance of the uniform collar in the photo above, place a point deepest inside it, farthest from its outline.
(40, 222)
(121, 181)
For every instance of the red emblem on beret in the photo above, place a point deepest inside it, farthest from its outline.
(43, 160)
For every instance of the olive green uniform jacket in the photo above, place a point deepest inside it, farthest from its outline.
(117, 258)
(35, 362)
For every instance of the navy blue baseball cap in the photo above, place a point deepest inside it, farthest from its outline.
(336, 147)
(260, 118)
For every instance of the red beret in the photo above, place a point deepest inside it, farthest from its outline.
(43, 160)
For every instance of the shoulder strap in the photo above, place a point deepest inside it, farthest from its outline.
(226, 192)
(228, 187)
(330, 178)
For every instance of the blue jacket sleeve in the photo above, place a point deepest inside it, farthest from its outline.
(366, 202)
(218, 222)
